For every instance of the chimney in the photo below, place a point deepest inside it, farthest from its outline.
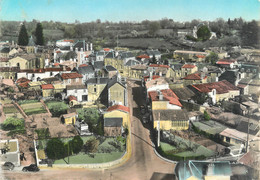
(202, 75)
(151, 75)
(76, 49)
(71, 48)
(90, 46)
(87, 47)
(160, 95)
(81, 49)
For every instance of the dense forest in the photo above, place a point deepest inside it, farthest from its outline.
(229, 33)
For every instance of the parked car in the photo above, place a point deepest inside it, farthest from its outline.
(8, 166)
(32, 168)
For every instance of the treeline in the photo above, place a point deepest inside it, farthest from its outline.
(248, 32)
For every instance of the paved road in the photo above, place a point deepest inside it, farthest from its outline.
(142, 165)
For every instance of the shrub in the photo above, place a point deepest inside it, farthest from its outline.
(76, 144)
(12, 123)
(55, 149)
(91, 146)
(43, 133)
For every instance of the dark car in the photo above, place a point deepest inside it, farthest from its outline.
(8, 166)
(32, 168)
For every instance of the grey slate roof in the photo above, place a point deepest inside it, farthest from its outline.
(98, 65)
(5, 50)
(230, 76)
(86, 69)
(109, 68)
(101, 53)
(124, 55)
(113, 122)
(171, 115)
(153, 52)
(79, 45)
(95, 80)
(183, 93)
(110, 55)
(65, 48)
(113, 81)
(132, 62)
(31, 42)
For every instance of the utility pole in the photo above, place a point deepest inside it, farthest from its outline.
(247, 138)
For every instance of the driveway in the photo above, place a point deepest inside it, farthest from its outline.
(143, 163)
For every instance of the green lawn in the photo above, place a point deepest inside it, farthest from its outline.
(52, 104)
(83, 158)
(27, 101)
(33, 107)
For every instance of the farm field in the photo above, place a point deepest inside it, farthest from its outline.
(33, 108)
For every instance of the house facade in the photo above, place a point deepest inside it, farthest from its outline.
(47, 90)
(170, 119)
(79, 91)
(118, 111)
(69, 118)
(113, 127)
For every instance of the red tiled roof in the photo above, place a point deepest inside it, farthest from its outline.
(200, 56)
(145, 56)
(57, 69)
(56, 64)
(82, 65)
(106, 49)
(195, 76)
(24, 84)
(71, 75)
(154, 77)
(159, 65)
(47, 86)
(86, 56)
(188, 66)
(70, 98)
(118, 107)
(168, 95)
(58, 51)
(221, 87)
(68, 40)
(226, 61)
(22, 80)
(242, 86)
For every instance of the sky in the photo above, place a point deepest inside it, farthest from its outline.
(127, 10)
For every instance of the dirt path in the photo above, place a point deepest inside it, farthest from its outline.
(142, 165)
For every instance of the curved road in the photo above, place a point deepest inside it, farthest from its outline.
(143, 163)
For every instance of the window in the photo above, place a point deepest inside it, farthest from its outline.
(75, 90)
(95, 89)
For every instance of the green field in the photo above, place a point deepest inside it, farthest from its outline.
(27, 101)
(52, 104)
(83, 158)
(10, 109)
(33, 108)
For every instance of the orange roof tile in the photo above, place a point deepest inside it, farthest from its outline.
(71, 75)
(22, 80)
(188, 66)
(47, 86)
(154, 77)
(58, 51)
(70, 98)
(221, 87)
(200, 56)
(195, 76)
(168, 95)
(118, 107)
(106, 49)
(159, 65)
(82, 65)
(143, 56)
(225, 61)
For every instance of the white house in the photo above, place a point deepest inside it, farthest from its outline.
(79, 91)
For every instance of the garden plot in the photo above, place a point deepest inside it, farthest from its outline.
(178, 147)
(33, 108)
(11, 111)
(107, 151)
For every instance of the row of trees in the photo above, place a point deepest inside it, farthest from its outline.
(23, 38)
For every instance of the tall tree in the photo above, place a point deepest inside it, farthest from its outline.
(203, 33)
(154, 27)
(23, 36)
(39, 34)
(55, 149)
(249, 34)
